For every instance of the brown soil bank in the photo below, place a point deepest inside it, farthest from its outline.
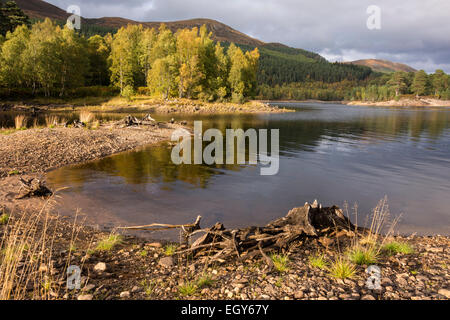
(39, 150)
(423, 102)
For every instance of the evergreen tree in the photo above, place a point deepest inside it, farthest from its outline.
(420, 83)
(398, 83)
(440, 82)
(11, 16)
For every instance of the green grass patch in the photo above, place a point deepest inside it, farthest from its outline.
(143, 253)
(170, 249)
(363, 256)
(187, 289)
(281, 262)
(204, 281)
(148, 286)
(4, 218)
(108, 243)
(318, 261)
(393, 248)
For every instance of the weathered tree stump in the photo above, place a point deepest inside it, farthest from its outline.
(33, 188)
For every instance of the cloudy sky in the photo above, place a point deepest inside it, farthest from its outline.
(415, 32)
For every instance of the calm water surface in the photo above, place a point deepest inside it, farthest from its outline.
(329, 152)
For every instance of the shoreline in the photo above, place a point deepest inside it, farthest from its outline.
(144, 105)
(403, 102)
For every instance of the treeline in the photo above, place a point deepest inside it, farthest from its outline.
(49, 59)
(392, 86)
(280, 65)
(308, 90)
(374, 88)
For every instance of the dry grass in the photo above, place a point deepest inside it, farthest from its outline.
(86, 117)
(51, 120)
(27, 256)
(20, 121)
(367, 248)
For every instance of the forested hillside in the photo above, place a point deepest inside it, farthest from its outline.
(47, 59)
(179, 59)
(279, 64)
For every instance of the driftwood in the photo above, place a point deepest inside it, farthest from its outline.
(303, 222)
(76, 124)
(33, 188)
(131, 121)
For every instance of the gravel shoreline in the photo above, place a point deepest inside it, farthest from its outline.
(40, 150)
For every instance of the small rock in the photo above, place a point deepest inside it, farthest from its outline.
(299, 295)
(445, 293)
(386, 282)
(100, 267)
(125, 294)
(166, 262)
(368, 297)
(154, 245)
(89, 287)
(136, 289)
(85, 297)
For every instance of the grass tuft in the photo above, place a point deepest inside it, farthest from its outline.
(341, 269)
(394, 247)
(108, 243)
(187, 289)
(149, 287)
(204, 281)
(170, 249)
(281, 262)
(363, 256)
(4, 218)
(318, 261)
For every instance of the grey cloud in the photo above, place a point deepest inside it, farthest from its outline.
(413, 31)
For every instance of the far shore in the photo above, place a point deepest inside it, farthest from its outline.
(140, 104)
(403, 102)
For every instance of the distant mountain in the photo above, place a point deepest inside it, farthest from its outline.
(384, 66)
(39, 9)
(279, 63)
